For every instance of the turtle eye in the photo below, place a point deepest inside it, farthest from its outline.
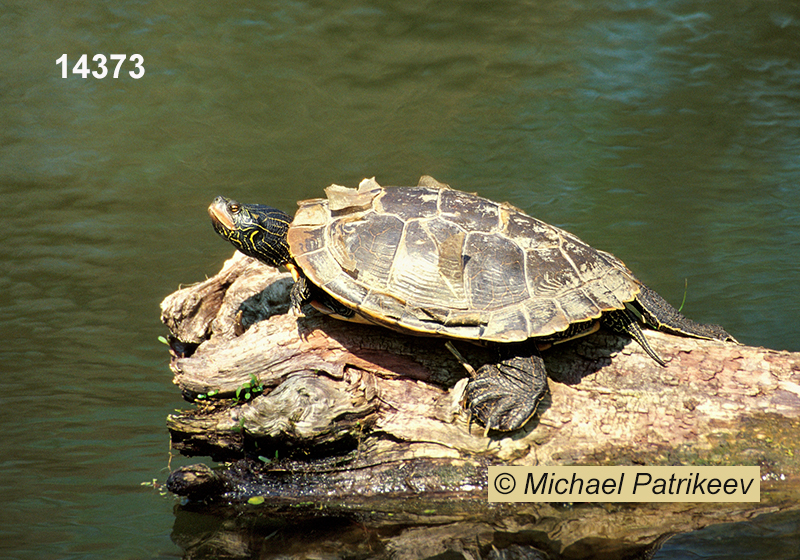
(234, 208)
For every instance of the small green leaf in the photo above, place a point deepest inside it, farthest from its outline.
(256, 500)
(163, 340)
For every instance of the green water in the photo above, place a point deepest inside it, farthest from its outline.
(665, 132)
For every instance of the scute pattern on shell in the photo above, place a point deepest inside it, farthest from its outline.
(430, 259)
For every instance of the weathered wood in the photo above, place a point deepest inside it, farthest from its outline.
(371, 380)
(345, 405)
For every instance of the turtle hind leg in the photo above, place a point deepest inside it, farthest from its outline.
(660, 314)
(625, 322)
(505, 395)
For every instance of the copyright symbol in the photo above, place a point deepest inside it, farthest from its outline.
(504, 483)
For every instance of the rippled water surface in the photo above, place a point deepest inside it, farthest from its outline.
(667, 132)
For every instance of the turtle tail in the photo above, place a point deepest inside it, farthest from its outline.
(657, 312)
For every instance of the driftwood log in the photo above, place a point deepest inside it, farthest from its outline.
(317, 415)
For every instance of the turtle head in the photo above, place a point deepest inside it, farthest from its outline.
(254, 229)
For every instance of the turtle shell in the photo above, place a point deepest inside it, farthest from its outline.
(434, 260)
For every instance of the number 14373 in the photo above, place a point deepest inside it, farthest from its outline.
(101, 70)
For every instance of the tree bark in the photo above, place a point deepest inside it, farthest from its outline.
(363, 411)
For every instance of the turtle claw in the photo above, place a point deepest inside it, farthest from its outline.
(507, 414)
(505, 395)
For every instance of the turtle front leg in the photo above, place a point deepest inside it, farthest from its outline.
(304, 292)
(505, 395)
(300, 294)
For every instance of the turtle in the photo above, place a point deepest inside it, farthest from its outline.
(431, 260)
